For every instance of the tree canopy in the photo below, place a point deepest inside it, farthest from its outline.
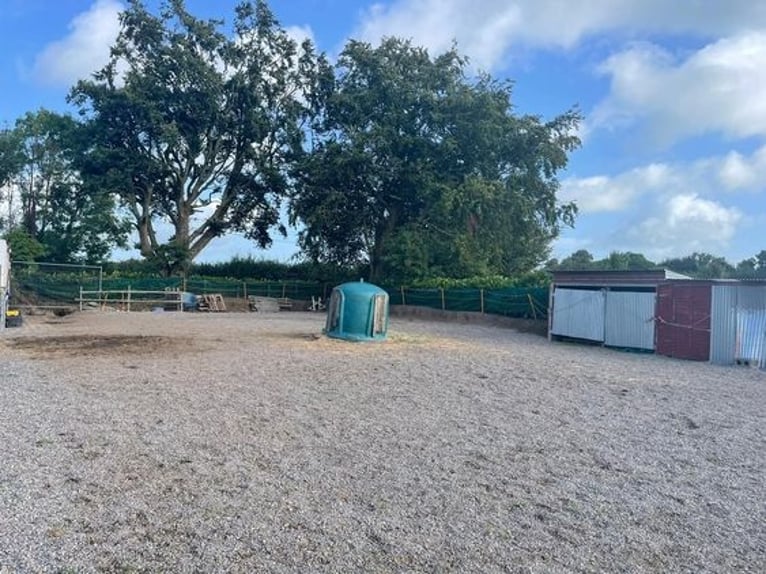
(46, 196)
(197, 128)
(416, 170)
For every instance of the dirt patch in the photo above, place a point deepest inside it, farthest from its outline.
(394, 341)
(79, 345)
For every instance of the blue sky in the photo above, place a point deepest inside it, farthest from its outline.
(674, 97)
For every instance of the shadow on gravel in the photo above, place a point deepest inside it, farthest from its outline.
(79, 345)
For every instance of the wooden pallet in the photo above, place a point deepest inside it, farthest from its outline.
(212, 302)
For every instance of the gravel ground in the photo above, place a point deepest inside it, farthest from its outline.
(248, 443)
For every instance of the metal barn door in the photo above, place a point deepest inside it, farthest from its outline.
(683, 321)
(629, 320)
(579, 314)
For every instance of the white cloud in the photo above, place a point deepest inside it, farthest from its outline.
(717, 89)
(683, 224)
(84, 50)
(300, 34)
(486, 30)
(668, 209)
(733, 172)
(736, 172)
(609, 194)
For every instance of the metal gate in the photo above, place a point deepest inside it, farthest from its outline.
(683, 321)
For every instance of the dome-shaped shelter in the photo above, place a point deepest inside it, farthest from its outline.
(357, 312)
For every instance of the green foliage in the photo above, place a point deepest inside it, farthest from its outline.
(23, 246)
(250, 268)
(582, 260)
(245, 268)
(189, 121)
(419, 172)
(76, 222)
(700, 266)
(527, 280)
(753, 267)
(11, 156)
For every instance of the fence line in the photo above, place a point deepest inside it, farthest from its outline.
(529, 303)
(519, 302)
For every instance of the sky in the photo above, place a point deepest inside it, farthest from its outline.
(673, 96)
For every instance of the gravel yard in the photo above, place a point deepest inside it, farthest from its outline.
(248, 443)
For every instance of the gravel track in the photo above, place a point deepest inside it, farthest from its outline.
(247, 443)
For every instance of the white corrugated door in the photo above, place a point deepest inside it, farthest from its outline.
(578, 313)
(629, 320)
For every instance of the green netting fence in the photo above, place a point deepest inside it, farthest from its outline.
(518, 302)
(527, 303)
(65, 287)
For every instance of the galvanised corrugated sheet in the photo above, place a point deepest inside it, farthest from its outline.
(578, 313)
(738, 329)
(751, 336)
(751, 296)
(751, 324)
(723, 324)
(629, 320)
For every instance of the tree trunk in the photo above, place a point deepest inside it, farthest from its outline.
(384, 230)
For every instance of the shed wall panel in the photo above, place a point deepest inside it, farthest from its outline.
(751, 296)
(629, 320)
(751, 336)
(723, 324)
(578, 314)
(751, 324)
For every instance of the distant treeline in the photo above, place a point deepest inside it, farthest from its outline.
(697, 265)
(250, 268)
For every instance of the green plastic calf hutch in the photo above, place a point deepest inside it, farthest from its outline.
(357, 312)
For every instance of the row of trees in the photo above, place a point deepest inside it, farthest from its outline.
(390, 157)
(699, 265)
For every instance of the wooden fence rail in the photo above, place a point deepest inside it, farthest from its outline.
(127, 297)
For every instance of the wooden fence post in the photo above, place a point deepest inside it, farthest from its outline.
(481, 295)
(80, 297)
(532, 305)
(444, 307)
(404, 302)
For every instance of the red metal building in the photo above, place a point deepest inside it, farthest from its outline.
(682, 320)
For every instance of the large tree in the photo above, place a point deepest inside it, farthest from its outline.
(11, 161)
(196, 127)
(417, 170)
(74, 221)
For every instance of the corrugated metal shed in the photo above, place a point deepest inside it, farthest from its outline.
(628, 303)
(578, 313)
(629, 320)
(683, 320)
(738, 331)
